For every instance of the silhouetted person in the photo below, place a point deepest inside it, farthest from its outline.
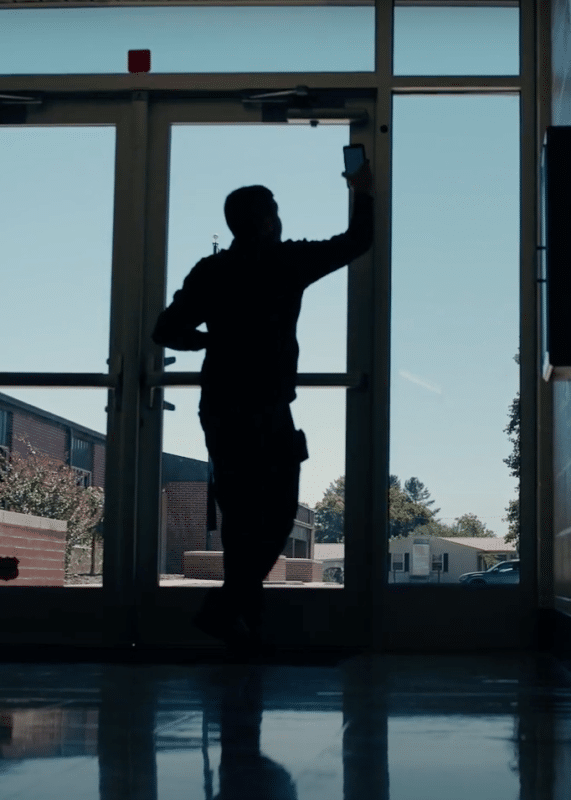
(249, 296)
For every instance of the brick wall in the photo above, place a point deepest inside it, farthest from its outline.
(98, 478)
(44, 436)
(186, 522)
(38, 544)
(186, 527)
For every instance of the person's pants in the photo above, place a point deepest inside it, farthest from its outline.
(256, 459)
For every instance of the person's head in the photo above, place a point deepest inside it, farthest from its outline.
(252, 213)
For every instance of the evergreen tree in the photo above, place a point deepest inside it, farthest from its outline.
(405, 514)
(418, 493)
(513, 462)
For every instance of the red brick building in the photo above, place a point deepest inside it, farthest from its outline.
(184, 484)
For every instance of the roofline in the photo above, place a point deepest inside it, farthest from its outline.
(101, 438)
(39, 412)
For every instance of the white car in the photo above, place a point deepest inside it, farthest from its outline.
(504, 572)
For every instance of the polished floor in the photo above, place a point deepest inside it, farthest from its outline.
(404, 727)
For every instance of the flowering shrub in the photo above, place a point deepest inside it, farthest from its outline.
(46, 487)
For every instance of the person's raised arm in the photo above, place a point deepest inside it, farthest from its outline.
(314, 260)
(361, 182)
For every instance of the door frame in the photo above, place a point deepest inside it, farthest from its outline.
(164, 611)
(81, 615)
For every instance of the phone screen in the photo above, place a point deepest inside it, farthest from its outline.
(354, 156)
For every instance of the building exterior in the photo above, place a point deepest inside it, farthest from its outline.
(438, 559)
(428, 559)
(185, 488)
(66, 441)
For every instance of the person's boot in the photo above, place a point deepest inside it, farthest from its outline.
(254, 648)
(217, 619)
(239, 627)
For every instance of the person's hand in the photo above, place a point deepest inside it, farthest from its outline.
(197, 340)
(362, 180)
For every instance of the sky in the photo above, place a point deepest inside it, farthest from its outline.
(455, 234)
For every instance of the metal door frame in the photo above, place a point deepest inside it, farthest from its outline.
(164, 612)
(380, 615)
(58, 615)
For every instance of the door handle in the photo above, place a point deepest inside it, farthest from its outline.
(151, 385)
(116, 387)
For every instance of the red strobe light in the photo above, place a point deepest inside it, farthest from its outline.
(139, 60)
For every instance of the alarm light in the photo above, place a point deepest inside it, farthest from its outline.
(139, 60)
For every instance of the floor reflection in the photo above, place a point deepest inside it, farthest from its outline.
(384, 727)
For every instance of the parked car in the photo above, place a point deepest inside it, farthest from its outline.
(504, 572)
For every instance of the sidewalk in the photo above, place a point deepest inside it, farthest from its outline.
(267, 584)
(178, 580)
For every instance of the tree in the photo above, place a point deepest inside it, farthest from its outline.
(409, 512)
(405, 514)
(394, 481)
(513, 462)
(40, 485)
(417, 492)
(470, 525)
(434, 528)
(330, 513)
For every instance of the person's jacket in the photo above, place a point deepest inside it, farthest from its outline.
(249, 296)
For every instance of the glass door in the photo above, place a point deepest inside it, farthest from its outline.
(61, 372)
(200, 152)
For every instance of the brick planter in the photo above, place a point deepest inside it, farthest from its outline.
(38, 544)
(278, 571)
(208, 565)
(203, 564)
(304, 569)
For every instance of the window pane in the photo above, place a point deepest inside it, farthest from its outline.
(313, 204)
(3, 428)
(245, 155)
(52, 506)
(456, 41)
(455, 332)
(185, 523)
(81, 454)
(57, 226)
(191, 39)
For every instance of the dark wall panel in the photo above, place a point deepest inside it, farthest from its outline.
(561, 115)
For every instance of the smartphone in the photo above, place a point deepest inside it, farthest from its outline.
(354, 156)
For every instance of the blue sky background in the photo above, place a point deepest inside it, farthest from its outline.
(455, 225)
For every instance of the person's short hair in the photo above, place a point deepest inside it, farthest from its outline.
(246, 209)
